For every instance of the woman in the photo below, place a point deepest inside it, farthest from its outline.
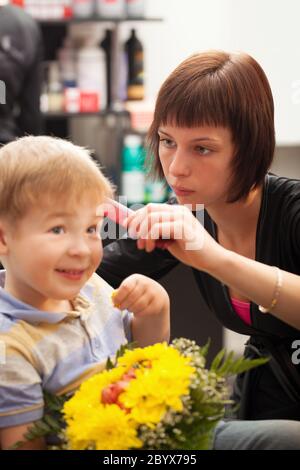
(213, 139)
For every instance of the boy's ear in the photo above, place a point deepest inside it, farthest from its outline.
(3, 243)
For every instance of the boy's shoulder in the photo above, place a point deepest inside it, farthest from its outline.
(99, 295)
(97, 285)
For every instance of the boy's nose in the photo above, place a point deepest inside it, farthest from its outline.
(79, 247)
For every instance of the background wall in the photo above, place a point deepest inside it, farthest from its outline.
(269, 30)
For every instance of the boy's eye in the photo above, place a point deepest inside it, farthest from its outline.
(57, 230)
(93, 229)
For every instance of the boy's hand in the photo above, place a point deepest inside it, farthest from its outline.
(142, 296)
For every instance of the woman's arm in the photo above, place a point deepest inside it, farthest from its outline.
(192, 245)
(257, 281)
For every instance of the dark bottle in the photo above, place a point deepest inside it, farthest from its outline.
(106, 45)
(135, 59)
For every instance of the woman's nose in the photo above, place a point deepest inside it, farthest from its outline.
(179, 165)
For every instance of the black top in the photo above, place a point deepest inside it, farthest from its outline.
(277, 244)
(20, 70)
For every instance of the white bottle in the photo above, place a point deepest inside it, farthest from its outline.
(91, 76)
(111, 8)
(83, 8)
(66, 56)
(136, 8)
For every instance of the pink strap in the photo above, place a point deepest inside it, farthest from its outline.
(242, 309)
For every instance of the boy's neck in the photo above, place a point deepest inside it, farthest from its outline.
(37, 301)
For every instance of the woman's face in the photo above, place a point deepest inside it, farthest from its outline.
(196, 162)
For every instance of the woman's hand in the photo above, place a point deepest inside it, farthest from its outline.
(185, 237)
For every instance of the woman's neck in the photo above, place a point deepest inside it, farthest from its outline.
(237, 220)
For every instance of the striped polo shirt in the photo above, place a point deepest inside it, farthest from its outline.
(54, 351)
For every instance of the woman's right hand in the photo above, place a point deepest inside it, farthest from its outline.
(184, 235)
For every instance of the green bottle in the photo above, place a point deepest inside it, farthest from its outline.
(133, 172)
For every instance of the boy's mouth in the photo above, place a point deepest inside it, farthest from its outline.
(73, 274)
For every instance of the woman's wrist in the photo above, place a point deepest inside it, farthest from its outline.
(213, 260)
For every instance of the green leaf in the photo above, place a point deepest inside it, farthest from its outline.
(109, 364)
(203, 350)
(217, 360)
(54, 424)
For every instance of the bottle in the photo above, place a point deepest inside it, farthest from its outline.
(55, 88)
(66, 57)
(135, 59)
(155, 191)
(106, 45)
(111, 8)
(83, 8)
(91, 76)
(135, 8)
(133, 174)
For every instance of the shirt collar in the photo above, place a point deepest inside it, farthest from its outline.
(12, 307)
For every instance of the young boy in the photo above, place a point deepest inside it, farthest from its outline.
(57, 321)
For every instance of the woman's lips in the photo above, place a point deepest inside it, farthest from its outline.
(182, 191)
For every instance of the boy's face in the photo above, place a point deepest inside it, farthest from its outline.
(53, 251)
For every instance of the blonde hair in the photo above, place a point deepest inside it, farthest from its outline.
(35, 167)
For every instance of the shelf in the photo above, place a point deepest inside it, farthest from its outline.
(97, 19)
(63, 115)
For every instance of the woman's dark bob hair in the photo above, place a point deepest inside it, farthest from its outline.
(219, 89)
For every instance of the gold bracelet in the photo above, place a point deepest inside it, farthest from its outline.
(278, 287)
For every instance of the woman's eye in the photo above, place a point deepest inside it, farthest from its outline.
(202, 150)
(167, 143)
(57, 230)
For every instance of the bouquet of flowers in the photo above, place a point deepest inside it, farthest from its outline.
(157, 397)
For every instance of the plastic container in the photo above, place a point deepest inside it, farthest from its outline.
(111, 8)
(55, 88)
(133, 174)
(135, 59)
(106, 45)
(66, 56)
(155, 191)
(91, 76)
(135, 8)
(83, 8)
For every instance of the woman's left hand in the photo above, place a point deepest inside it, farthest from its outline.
(184, 235)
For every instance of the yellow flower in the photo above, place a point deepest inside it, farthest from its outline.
(158, 387)
(150, 353)
(89, 393)
(161, 377)
(108, 428)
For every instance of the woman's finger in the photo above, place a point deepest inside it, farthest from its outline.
(134, 220)
(152, 218)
